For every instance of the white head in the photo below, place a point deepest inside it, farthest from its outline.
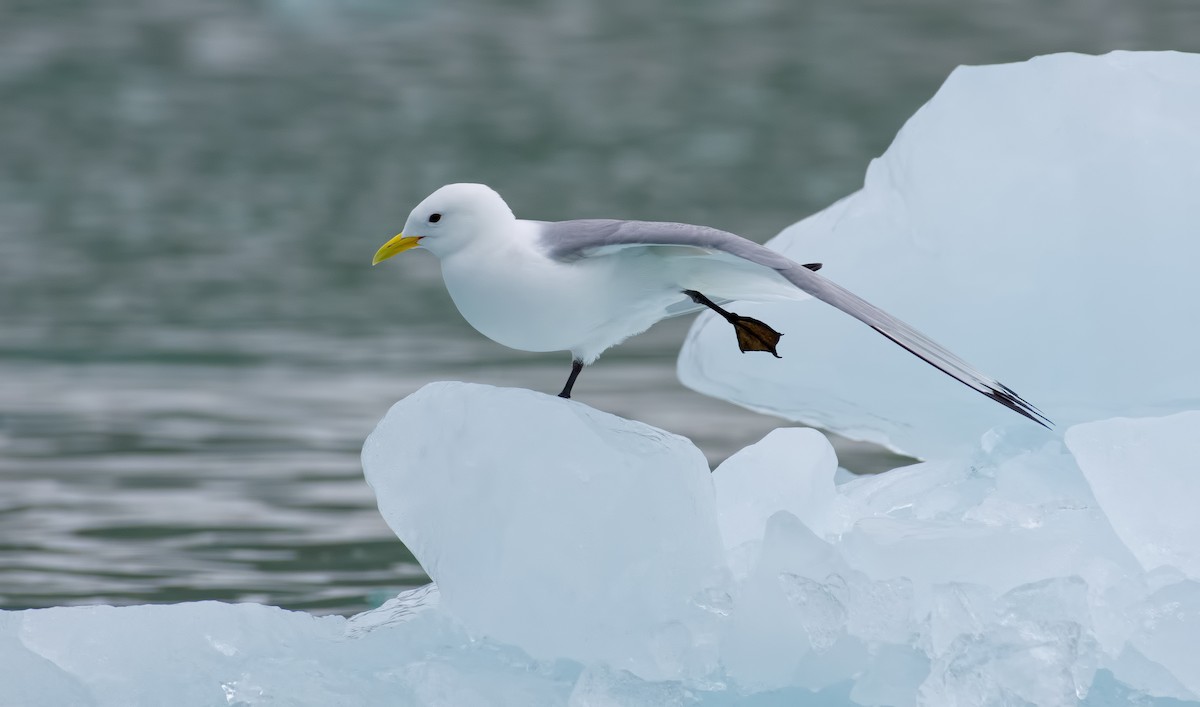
(448, 220)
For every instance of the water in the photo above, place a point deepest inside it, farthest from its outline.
(192, 343)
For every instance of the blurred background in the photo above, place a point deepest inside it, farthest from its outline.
(193, 344)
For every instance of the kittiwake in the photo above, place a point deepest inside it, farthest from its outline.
(586, 285)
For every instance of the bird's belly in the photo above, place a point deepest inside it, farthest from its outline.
(546, 306)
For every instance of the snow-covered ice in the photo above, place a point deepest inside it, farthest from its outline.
(586, 560)
(1039, 220)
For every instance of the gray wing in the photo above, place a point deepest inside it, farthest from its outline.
(572, 240)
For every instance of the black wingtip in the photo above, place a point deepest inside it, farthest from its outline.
(813, 266)
(1008, 398)
(999, 392)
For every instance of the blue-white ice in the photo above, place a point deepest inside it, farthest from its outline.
(583, 559)
(1031, 216)
(1035, 218)
(538, 520)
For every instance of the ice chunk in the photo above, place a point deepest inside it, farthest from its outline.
(1168, 626)
(998, 518)
(1037, 219)
(400, 609)
(1146, 476)
(30, 679)
(602, 687)
(987, 579)
(782, 619)
(803, 618)
(1139, 672)
(204, 653)
(547, 524)
(210, 653)
(1032, 646)
(892, 677)
(791, 469)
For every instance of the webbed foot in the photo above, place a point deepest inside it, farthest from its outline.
(753, 335)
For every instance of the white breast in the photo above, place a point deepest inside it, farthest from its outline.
(514, 295)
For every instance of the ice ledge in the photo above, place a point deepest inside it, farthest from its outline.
(542, 520)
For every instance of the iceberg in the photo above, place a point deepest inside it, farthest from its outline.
(1036, 219)
(587, 560)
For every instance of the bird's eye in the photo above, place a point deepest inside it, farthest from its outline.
(434, 218)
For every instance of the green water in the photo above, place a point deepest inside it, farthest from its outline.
(192, 343)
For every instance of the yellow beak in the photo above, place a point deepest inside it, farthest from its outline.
(397, 245)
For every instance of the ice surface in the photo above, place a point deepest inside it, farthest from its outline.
(1167, 630)
(586, 560)
(990, 578)
(1146, 476)
(221, 654)
(400, 609)
(753, 485)
(538, 517)
(1039, 220)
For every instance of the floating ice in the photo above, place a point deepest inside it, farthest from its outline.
(987, 578)
(596, 578)
(1039, 220)
(210, 653)
(547, 524)
(188, 654)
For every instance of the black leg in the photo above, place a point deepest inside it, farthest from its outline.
(576, 367)
(752, 335)
(701, 299)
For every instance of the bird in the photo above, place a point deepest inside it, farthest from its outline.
(586, 285)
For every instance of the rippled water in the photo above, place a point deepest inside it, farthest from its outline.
(192, 343)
